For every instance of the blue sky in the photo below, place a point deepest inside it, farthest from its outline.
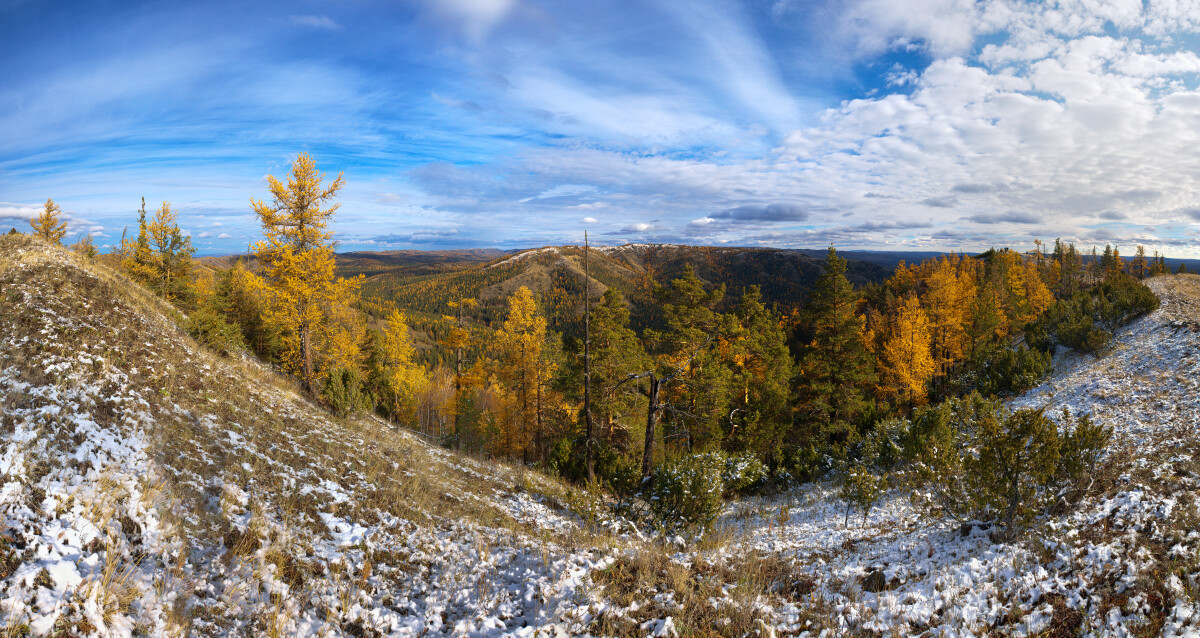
(881, 124)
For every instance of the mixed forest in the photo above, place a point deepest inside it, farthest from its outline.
(668, 392)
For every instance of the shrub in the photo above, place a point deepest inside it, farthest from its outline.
(1086, 320)
(861, 488)
(208, 327)
(343, 392)
(978, 460)
(743, 473)
(995, 370)
(687, 493)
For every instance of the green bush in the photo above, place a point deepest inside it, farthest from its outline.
(1085, 322)
(210, 328)
(686, 493)
(343, 392)
(995, 370)
(980, 461)
(743, 473)
(861, 488)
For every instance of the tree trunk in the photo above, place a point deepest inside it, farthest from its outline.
(587, 366)
(306, 345)
(651, 418)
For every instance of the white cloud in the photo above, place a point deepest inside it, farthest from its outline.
(316, 22)
(590, 220)
(224, 236)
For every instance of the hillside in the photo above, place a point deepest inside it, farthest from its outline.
(153, 488)
(556, 274)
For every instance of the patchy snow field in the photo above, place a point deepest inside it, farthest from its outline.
(151, 488)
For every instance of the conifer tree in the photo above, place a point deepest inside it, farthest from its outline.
(616, 353)
(171, 260)
(836, 369)
(948, 297)
(1182, 269)
(296, 255)
(46, 224)
(523, 370)
(699, 397)
(906, 363)
(138, 261)
(457, 340)
(403, 377)
(1140, 267)
(759, 414)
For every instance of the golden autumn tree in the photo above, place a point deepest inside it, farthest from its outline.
(949, 292)
(306, 302)
(403, 377)
(170, 256)
(523, 371)
(457, 340)
(46, 224)
(906, 363)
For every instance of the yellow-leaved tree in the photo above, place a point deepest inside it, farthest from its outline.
(310, 307)
(907, 363)
(46, 224)
(403, 377)
(523, 371)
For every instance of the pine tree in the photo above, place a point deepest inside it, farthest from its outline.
(688, 346)
(1182, 269)
(616, 353)
(46, 224)
(836, 368)
(906, 363)
(297, 261)
(760, 413)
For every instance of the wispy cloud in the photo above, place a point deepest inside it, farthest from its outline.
(316, 22)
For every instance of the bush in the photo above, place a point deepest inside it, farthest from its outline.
(687, 493)
(743, 473)
(211, 329)
(861, 488)
(343, 392)
(1085, 322)
(980, 461)
(995, 370)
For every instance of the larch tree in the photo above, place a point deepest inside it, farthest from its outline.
(139, 259)
(46, 224)
(523, 371)
(403, 377)
(171, 256)
(836, 369)
(906, 363)
(949, 292)
(458, 340)
(296, 256)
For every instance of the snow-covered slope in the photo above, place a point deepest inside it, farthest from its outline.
(150, 488)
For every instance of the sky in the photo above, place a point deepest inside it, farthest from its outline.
(868, 124)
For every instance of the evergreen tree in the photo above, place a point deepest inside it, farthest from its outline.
(1140, 267)
(616, 353)
(700, 395)
(46, 224)
(760, 413)
(297, 261)
(1182, 269)
(836, 368)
